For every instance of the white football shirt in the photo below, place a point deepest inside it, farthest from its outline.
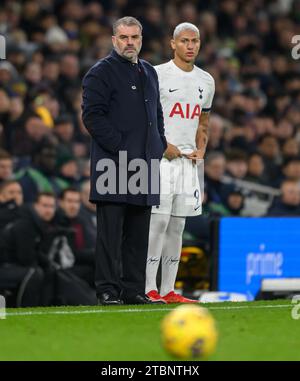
(184, 95)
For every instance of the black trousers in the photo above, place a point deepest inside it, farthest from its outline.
(26, 283)
(121, 249)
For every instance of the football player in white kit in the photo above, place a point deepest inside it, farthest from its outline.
(186, 94)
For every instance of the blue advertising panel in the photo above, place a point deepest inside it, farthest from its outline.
(251, 249)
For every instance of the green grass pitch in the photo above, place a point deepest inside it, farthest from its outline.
(247, 331)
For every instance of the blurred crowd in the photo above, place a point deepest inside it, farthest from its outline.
(254, 146)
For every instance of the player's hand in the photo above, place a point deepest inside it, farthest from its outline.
(195, 155)
(172, 152)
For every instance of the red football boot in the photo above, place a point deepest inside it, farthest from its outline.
(171, 297)
(155, 297)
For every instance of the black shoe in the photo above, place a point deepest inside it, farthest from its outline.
(107, 299)
(141, 299)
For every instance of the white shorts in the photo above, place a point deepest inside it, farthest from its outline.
(180, 181)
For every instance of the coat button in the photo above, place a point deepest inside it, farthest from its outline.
(146, 100)
(150, 123)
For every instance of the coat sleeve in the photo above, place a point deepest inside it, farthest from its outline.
(95, 108)
(160, 124)
(160, 115)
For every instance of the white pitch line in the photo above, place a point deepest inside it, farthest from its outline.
(79, 312)
(251, 307)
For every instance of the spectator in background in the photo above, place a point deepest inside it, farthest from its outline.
(232, 206)
(291, 170)
(235, 203)
(68, 170)
(87, 215)
(290, 148)
(64, 131)
(28, 135)
(68, 217)
(215, 166)
(27, 241)
(11, 110)
(256, 168)
(216, 133)
(6, 165)
(45, 104)
(11, 199)
(289, 202)
(50, 73)
(4, 116)
(32, 73)
(236, 164)
(35, 248)
(269, 149)
(41, 176)
(8, 74)
(284, 130)
(23, 247)
(69, 79)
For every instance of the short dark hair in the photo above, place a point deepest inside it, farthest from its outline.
(265, 136)
(236, 154)
(289, 160)
(288, 181)
(66, 190)
(63, 119)
(6, 183)
(4, 155)
(127, 21)
(43, 194)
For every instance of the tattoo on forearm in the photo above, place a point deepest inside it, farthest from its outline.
(202, 135)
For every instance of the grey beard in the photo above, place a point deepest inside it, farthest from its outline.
(132, 59)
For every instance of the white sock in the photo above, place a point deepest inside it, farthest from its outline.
(171, 254)
(157, 231)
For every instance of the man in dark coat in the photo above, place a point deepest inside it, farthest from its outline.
(123, 114)
(23, 246)
(11, 200)
(67, 217)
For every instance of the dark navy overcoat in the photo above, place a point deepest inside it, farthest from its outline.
(121, 110)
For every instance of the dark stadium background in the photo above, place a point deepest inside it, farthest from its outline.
(253, 158)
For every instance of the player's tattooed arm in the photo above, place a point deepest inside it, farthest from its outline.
(172, 152)
(201, 137)
(202, 133)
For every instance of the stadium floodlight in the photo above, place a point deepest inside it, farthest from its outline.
(274, 288)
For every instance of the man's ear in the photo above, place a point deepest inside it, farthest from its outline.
(113, 40)
(172, 43)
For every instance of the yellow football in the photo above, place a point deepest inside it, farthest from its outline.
(189, 331)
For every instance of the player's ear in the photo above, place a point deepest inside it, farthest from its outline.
(172, 43)
(113, 39)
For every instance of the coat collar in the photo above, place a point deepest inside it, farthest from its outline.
(143, 67)
(120, 58)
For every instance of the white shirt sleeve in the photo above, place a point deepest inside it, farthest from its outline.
(206, 106)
